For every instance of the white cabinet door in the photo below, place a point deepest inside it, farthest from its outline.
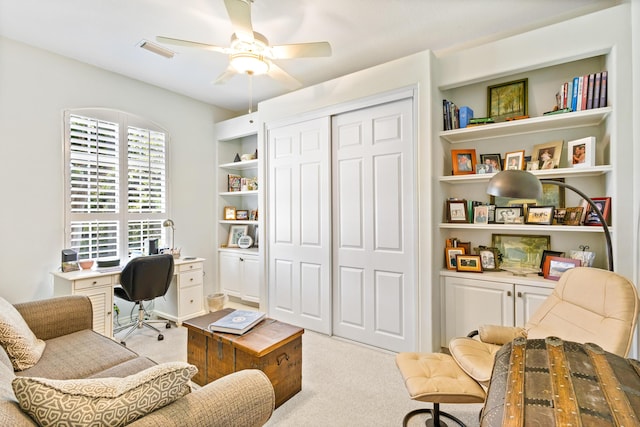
(250, 270)
(528, 300)
(229, 274)
(470, 303)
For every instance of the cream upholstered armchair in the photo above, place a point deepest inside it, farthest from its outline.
(587, 305)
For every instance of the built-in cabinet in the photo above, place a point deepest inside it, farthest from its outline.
(239, 268)
(185, 297)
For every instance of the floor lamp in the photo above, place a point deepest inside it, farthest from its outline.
(524, 185)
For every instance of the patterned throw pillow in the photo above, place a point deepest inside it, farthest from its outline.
(22, 346)
(103, 401)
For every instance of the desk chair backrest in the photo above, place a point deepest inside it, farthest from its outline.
(589, 305)
(148, 277)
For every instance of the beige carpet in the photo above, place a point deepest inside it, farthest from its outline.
(343, 384)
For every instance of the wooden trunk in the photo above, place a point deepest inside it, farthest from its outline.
(550, 382)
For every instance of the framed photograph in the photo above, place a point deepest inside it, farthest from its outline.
(558, 216)
(514, 160)
(481, 214)
(457, 211)
(573, 216)
(234, 182)
(242, 214)
(253, 216)
(464, 245)
(229, 212)
(507, 100)
(463, 161)
(581, 152)
(489, 258)
(546, 254)
(507, 214)
(547, 155)
(604, 205)
(236, 232)
(470, 263)
(493, 162)
(482, 168)
(540, 215)
(554, 266)
(450, 256)
(521, 250)
(533, 166)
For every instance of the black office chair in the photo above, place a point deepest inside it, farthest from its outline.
(143, 279)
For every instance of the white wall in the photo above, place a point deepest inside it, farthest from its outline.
(35, 86)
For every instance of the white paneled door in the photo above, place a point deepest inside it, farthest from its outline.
(299, 284)
(373, 222)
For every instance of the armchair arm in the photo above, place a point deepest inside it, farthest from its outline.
(242, 399)
(55, 317)
(499, 335)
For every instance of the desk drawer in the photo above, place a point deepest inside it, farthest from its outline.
(92, 282)
(189, 267)
(191, 300)
(190, 278)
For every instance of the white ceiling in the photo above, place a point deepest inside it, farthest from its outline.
(362, 33)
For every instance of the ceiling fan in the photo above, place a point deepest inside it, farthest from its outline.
(250, 52)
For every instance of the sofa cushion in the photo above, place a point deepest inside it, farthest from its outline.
(22, 346)
(103, 401)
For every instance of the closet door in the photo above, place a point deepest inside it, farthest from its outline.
(374, 235)
(299, 286)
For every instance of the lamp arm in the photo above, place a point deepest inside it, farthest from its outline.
(595, 208)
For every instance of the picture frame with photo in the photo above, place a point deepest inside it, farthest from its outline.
(508, 100)
(540, 215)
(521, 251)
(490, 258)
(554, 266)
(253, 215)
(450, 254)
(604, 204)
(457, 211)
(573, 215)
(545, 254)
(469, 263)
(242, 214)
(463, 162)
(547, 155)
(514, 160)
(581, 152)
(507, 214)
(492, 162)
(229, 213)
(481, 214)
(235, 232)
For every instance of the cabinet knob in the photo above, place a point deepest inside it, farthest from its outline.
(191, 301)
(191, 280)
(95, 282)
(241, 259)
(508, 293)
(519, 294)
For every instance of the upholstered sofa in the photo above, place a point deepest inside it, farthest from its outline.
(74, 351)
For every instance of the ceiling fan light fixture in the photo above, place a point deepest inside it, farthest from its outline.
(249, 63)
(157, 49)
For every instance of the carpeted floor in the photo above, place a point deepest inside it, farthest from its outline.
(343, 384)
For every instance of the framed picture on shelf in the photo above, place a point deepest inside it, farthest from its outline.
(481, 214)
(573, 216)
(234, 182)
(489, 258)
(514, 160)
(457, 211)
(546, 254)
(493, 162)
(540, 215)
(521, 250)
(229, 213)
(470, 263)
(507, 100)
(604, 205)
(242, 214)
(463, 162)
(554, 266)
(450, 256)
(253, 215)
(507, 214)
(581, 152)
(558, 215)
(236, 232)
(547, 155)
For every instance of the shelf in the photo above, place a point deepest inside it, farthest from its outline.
(504, 277)
(238, 193)
(237, 221)
(526, 227)
(541, 174)
(533, 125)
(238, 166)
(249, 251)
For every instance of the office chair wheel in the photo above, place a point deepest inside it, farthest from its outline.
(122, 343)
(168, 325)
(160, 337)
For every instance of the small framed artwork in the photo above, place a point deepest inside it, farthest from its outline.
(508, 214)
(234, 182)
(450, 256)
(482, 168)
(547, 155)
(558, 215)
(463, 161)
(229, 212)
(581, 152)
(546, 254)
(604, 206)
(492, 162)
(540, 215)
(489, 258)
(514, 160)
(521, 250)
(242, 214)
(465, 245)
(253, 216)
(481, 214)
(533, 165)
(457, 211)
(554, 266)
(573, 216)
(236, 232)
(507, 100)
(471, 263)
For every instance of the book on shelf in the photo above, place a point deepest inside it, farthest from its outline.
(583, 92)
(237, 322)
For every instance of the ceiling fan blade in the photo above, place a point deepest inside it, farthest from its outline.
(240, 14)
(188, 43)
(301, 50)
(283, 77)
(226, 75)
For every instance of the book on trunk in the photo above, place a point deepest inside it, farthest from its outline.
(237, 322)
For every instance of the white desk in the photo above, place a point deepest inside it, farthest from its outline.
(183, 300)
